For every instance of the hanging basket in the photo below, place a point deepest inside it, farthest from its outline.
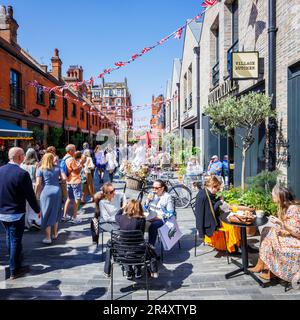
(133, 183)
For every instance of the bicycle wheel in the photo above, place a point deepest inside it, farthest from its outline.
(182, 196)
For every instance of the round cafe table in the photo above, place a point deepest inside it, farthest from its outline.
(243, 268)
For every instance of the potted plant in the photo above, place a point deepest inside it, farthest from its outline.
(181, 172)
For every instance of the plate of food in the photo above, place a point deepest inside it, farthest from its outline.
(241, 217)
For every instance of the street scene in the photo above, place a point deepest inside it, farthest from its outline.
(160, 174)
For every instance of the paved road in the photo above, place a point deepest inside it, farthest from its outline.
(72, 268)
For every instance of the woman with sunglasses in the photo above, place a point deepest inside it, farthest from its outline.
(159, 206)
(207, 212)
(108, 204)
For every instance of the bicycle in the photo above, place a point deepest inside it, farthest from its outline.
(181, 194)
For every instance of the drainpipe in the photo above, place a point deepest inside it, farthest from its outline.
(198, 127)
(272, 84)
(178, 99)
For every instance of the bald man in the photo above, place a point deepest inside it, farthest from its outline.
(15, 189)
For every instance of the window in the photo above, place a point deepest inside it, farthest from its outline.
(216, 69)
(81, 114)
(190, 86)
(74, 111)
(52, 100)
(185, 92)
(118, 102)
(65, 103)
(235, 21)
(40, 95)
(87, 121)
(16, 92)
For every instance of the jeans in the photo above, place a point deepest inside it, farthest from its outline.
(14, 235)
(153, 231)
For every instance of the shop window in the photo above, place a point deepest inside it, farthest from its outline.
(40, 95)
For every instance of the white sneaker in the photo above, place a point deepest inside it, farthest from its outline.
(154, 275)
(47, 241)
(76, 221)
(67, 218)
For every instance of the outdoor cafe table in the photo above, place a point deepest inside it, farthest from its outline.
(244, 247)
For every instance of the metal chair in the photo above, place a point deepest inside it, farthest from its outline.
(193, 206)
(128, 248)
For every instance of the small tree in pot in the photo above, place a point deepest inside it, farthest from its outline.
(247, 113)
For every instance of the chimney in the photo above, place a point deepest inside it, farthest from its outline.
(8, 25)
(45, 68)
(56, 65)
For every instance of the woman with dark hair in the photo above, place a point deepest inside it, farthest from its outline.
(159, 206)
(131, 218)
(279, 253)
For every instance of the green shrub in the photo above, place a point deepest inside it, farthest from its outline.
(250, 198)
(264, 181)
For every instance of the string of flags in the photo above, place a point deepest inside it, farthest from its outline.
(207, 4)
(61, 89)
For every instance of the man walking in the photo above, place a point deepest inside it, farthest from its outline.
(72, 171)
(15, 189)
(225, 170)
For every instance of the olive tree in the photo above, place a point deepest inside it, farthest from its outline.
(248, 112)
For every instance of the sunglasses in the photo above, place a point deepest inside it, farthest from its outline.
(112, 191)
(156, 188)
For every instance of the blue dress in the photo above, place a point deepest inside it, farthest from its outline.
(51, 197)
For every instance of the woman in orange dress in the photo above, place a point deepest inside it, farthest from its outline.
(279, 253)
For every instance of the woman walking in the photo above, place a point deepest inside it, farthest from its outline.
(51, 197)
(112, 164)
(88, 187)
(30, 165)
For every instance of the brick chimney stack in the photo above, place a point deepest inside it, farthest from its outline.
(8, 25)
(56, 65)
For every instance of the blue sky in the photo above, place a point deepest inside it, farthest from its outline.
(97, 33)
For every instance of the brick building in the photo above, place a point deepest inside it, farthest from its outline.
(114, 100)
(157, 121)
(33, 107)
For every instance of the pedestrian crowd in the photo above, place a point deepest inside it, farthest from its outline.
(37, 190)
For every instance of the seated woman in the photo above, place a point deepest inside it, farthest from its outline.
(159, 205)
(207, 211)
(132, 218)
(279, 253)
(108, 203)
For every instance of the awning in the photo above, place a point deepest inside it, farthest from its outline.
(10, 131)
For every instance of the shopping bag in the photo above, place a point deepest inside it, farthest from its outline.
(170, 233)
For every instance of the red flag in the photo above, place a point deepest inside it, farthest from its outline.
(120, 64)
(209, 3)
(134, 56)
(178, 33)
(145, 50)
(91, 81)
(101, 75)
(163, 40)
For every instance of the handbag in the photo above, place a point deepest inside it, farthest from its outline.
(170, 233)
(211, 207)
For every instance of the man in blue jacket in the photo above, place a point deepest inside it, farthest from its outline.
(15, 189)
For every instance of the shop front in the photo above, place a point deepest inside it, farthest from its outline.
(11, 135)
